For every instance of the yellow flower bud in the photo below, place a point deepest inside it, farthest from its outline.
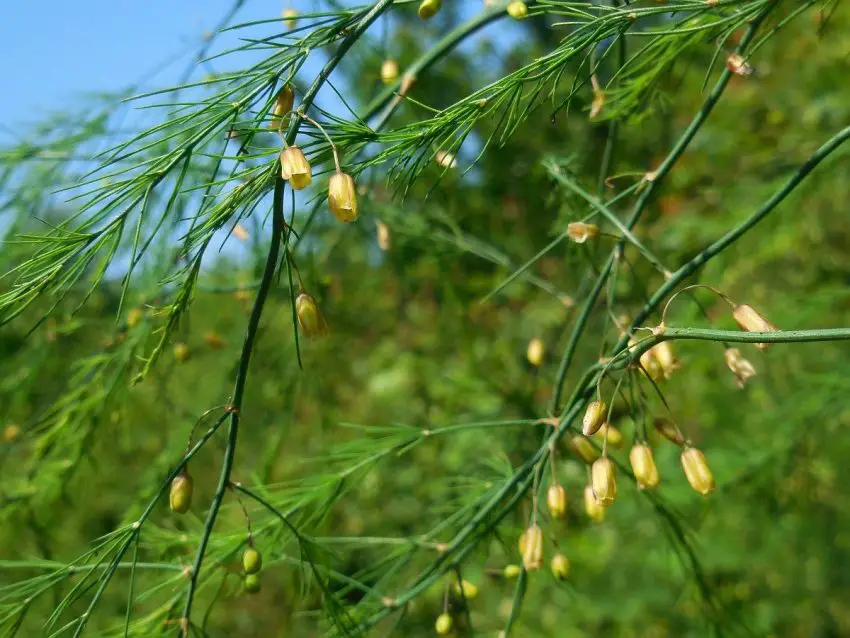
(429, 8)
(603, 479)
(251, 583)
(531, 546)
(181, 352)
(579, 232)
(517, 9)
(252, 561)
(180, 495)
(614, 436)
(466, 589)
(669, 431)
(445, 159)
(389, 71)
(383, 236)
(594, 417)
(444, 624)
(740, 367)
(697, 471)
(643, 466)
(290, 16)
(310, 318)
(560, 566)
(282, 105)
(295, 168)
(535, 352)
(512, 571)
(584, 449)
(751, 321)
(342, 197)
(134, 317)
(11, 433)
(592, 507)
(556, 500)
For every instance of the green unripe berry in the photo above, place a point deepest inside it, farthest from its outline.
(444, 624)
(252, 561)
(252, 583)
(180, 496)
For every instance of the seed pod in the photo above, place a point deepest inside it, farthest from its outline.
(751, 321)
(532, 548)
(181, 352)
(560, 566)
(594, 417)
(592, 507)
(180, 494)
(428, 8)
(535, 352)
(310, 318)
(251, 583)
(740, 367)
(282, 105)
(466, 589)
(290, 17)
(444, 624)
(603, 477)
(556, 500)
(389, 71)
(295, 168)
(579, 232)
(252, 561)
(512, 571)
(517, 9)
(697, 471)
(584, 449)
(342, 197)
(383, 236)
(643, 466)
(669, 431)
(614, 436)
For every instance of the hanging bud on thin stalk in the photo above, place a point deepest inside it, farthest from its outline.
(429, 8)
(556, 500)
(603, 478)
(560, 566)
(181, 352)
(282, 105)
(739, 66)
(512, 571)
(592, 507)
(531, 545)
(697, 471)
(252, 561)
(290, 18)
(583, 448)
(342, 197)
(465, 589)
(389, 71)
(598, 104)
(251, 583)
(295, 168)
(751, 321)
(535, 352)
(579, 232)
(643, 466)
(594, 417)
(612, 434)
(517, 9)
(383, 233)
(740, 367)
(310, 318)
(443, 625)
(180, 494)
(666, 358)
(669, 431)
(445, 159)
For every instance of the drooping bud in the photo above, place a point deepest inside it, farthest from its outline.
(594, 417)
(739, 66)
(598, 103)
(180, 494)
(517, 9)
(383, 236)
(466, 589)
(389, 71)
(579, 232)
(560, 566)
(603, 479)
(751, 321)
(740, 367)
(251, 583)
(342, 197)
(669, 431)
(134, 317)
(214, 340)
(295, 168)
(310, 318)
(556, 500)
(643, 466)
(290, 18)
(650, 364)
(428, 8)
(532, 548)
(583, 448)
(512, 571)
(592, 507)
(666, 358)
(697, 471)
(282, 105)
(252, 561)
(614, 436)
(445, 159)
(181, 352)
(535, 352)
(444, 624)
